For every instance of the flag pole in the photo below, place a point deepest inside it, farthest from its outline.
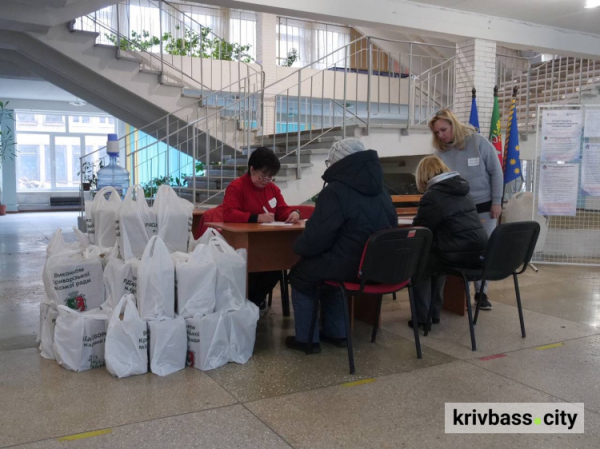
(514, 96)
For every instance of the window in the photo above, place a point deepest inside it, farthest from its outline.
(33, 164)
(312, 41)
(53, 119)
(50, 146)
(26, 118)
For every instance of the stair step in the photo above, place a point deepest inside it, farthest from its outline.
(191, 92)
(92, 34)
(150, 71)
(129, 58)
(169, 84)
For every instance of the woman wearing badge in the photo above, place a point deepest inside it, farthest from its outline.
(254, 198)
(473, 156)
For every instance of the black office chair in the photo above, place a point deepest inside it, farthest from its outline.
(508, 252)
(390, 261)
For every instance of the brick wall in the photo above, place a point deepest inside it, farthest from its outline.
(475, 67)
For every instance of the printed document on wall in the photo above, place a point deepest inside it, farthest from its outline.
(561, 135)
(558, 189)
(592, 123)
(590, 170)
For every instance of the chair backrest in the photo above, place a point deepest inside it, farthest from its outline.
(306, 211)
(214, 215)
(393, 256)
(510, 247)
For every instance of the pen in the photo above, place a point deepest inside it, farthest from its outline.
(265, 209)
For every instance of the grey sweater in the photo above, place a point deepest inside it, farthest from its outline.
(479, 165)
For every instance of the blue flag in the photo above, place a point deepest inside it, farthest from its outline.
(512, 163)
(474, 118)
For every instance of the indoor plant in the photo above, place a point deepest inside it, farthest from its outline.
(7, 143)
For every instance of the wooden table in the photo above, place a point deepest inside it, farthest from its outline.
(270, 248)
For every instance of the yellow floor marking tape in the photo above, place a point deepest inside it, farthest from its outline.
(554, 345)
(81, 436)
(358, 382)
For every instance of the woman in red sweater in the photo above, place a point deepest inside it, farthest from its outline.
(254, 198)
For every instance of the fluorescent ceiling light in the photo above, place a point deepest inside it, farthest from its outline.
(592, 3)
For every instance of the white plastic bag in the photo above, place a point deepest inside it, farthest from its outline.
(136, 224)
(156, 282)
(79, 339)
(174, 216)
(47, 332)
(120, 278)
(89, 221)
(231, 274)
(105, 213)
(82, 238)
(168, 345)
(74, 281)
(196, 284)
(242, 332)
(208, 341)
(126, 347)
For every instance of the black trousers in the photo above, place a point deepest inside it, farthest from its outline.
(261, 284)
(429, 290)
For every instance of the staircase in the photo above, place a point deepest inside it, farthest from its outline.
(562, 80)
(202, 116)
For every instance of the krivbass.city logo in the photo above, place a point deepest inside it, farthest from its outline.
(505, 417)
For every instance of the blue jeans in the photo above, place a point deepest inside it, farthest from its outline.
(332, 314)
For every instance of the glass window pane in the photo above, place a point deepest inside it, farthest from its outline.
(66, 161)
(41, 122)
(33, 167)
(89, 124)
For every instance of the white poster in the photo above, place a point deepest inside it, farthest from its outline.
(560, 148)
(562, 122)
(561, 135)
(558, 189)
(592, 123)
(590, 170)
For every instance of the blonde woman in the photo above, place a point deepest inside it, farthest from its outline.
(459, 239)
(473, 156)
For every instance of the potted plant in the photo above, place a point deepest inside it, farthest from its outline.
(90, 178)
(7, 144)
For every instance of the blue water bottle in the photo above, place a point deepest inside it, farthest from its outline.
(113, 174)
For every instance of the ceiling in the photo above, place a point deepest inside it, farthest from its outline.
(569, 14)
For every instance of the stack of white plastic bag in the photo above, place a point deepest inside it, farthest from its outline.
(156, 304)
(226, 333)
(190, 305)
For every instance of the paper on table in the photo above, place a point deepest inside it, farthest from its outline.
(405, 221)
(277, 223)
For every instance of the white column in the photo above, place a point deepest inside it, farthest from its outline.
(266, 54)
(9, 173)
(475, 67)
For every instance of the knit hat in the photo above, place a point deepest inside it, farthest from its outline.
(343, 148)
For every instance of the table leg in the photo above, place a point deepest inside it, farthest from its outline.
(454, 295)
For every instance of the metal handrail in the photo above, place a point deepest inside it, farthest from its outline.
(252, 104)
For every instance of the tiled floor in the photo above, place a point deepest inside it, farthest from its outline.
(282, 398)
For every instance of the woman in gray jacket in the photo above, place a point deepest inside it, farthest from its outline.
(473, 156)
